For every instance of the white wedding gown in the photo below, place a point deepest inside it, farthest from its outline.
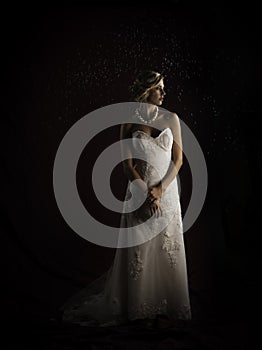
(149, 278)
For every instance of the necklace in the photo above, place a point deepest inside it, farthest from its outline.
(149, 121)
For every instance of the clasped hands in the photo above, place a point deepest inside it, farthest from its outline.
(153, 198)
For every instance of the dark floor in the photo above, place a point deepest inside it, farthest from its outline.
(205, 334)
(228, 322)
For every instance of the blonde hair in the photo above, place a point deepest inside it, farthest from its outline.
(142, 85)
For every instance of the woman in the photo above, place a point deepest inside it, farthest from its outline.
(147, 280)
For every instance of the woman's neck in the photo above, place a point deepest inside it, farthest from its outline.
(147, 109)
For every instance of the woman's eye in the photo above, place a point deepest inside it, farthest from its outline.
(158, 88)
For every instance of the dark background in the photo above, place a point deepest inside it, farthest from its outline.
(62, 62)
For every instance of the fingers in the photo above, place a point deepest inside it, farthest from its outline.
(155, 192)
(156, 209)
(159, 209)
(151, 199)
(153, 195)
(152, 210)
(157, 212)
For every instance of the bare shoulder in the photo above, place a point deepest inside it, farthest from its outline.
(172, 119)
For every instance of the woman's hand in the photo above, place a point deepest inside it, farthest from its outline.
(149, 208)
(155, 208)
(156, 192)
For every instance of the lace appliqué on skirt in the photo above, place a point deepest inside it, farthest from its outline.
(171, 246)
(135, 265)
(148, 309)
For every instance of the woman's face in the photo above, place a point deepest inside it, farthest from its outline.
(156, 94)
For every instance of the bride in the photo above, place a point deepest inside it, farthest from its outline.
(147, 280)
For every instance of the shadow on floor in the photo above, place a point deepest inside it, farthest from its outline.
(160, 335)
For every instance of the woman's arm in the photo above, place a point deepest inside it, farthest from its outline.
(128, 165)
(177, 159)
(177, 153)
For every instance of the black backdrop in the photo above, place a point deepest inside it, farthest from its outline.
(62, 62)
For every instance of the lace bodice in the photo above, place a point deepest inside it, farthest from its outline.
(153, 160)
(153, 154)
